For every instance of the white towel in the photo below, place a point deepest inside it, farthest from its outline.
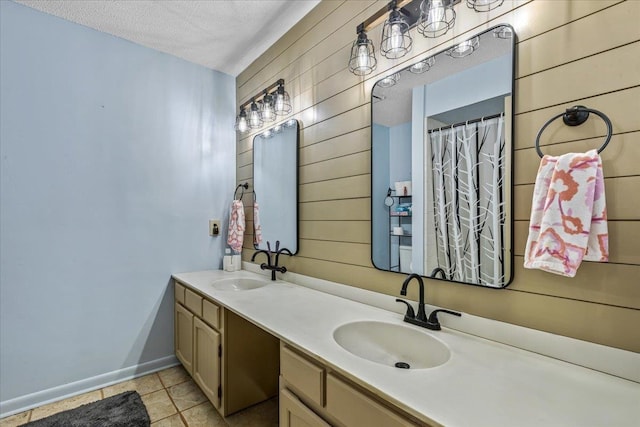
(569, 214)
(236, 226)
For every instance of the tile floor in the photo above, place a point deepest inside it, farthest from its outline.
(172, 400)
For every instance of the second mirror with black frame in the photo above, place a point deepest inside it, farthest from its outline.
(275, 182)
(441, 164)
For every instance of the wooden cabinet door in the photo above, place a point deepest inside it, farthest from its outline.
(183, 336)
(206, 360)
(294, 413)
(353, 408)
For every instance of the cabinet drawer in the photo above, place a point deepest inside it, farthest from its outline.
(353, 408)
(178, 291)
(294, 413)
(302, 375)
(211, 313)
(193, 302)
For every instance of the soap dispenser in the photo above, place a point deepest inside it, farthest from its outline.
(227, 263)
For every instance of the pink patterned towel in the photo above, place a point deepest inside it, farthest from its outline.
(569, 214)
(257, 228)
(236, 226)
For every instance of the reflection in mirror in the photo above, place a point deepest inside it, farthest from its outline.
(275, 183)
(441, 164)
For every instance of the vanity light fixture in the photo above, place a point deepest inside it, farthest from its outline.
(396, 40)
(268, 133)
(241, 121)
(436, 17)
(363, 54)
(264, 107)
(423, 66)
(484, 5)
(433, 18)
(282, 102)
(255, 119)
(503, 32)
(267, 110)
(389, 80)
(465, 48)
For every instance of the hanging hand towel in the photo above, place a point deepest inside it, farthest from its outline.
(236, 226)
(569, 215)
(257, 228)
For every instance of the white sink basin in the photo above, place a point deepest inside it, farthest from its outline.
(391, 345)
(238, 284)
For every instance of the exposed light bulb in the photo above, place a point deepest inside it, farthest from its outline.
(279, 103)
(363, 56)
(242, 124)
(395, 41)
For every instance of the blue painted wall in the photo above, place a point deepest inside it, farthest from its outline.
(113, 158)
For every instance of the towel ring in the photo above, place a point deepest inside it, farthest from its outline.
(574, 117)
(244, 186)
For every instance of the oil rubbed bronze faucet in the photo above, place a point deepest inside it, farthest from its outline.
(270, 265)
(421, 319)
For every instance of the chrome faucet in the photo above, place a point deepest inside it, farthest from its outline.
(269, 265)
(421, 319)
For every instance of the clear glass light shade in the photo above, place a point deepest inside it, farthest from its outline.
(281, 102)
(436, 18)
(503, 32)
(396, 40)
(254, 118)
(241, 122)
(389, 80)
(484, 5)
(267, 109)
(363, 58)
(290, 123)
(465, 48)
(422, 66)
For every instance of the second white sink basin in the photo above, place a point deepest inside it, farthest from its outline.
(238, 284)
(391, 345)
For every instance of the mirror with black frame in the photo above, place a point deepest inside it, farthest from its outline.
(441, 172)
(275, 184)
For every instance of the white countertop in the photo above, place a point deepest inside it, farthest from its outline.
(484, 383)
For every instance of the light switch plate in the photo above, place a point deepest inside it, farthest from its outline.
(214, 227)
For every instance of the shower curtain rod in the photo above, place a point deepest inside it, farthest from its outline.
(468, 122)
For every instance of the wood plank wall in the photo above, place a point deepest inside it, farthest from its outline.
(568, 52)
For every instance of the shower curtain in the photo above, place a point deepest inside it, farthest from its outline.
(467, 177)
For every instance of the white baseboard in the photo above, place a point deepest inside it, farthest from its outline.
(34, 400)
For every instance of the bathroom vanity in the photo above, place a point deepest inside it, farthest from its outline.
(234, 362)
(323, 381)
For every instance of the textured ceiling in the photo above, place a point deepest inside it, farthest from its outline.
(225, 35)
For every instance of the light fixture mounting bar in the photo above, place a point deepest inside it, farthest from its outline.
(263, 92)
(409, 8)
